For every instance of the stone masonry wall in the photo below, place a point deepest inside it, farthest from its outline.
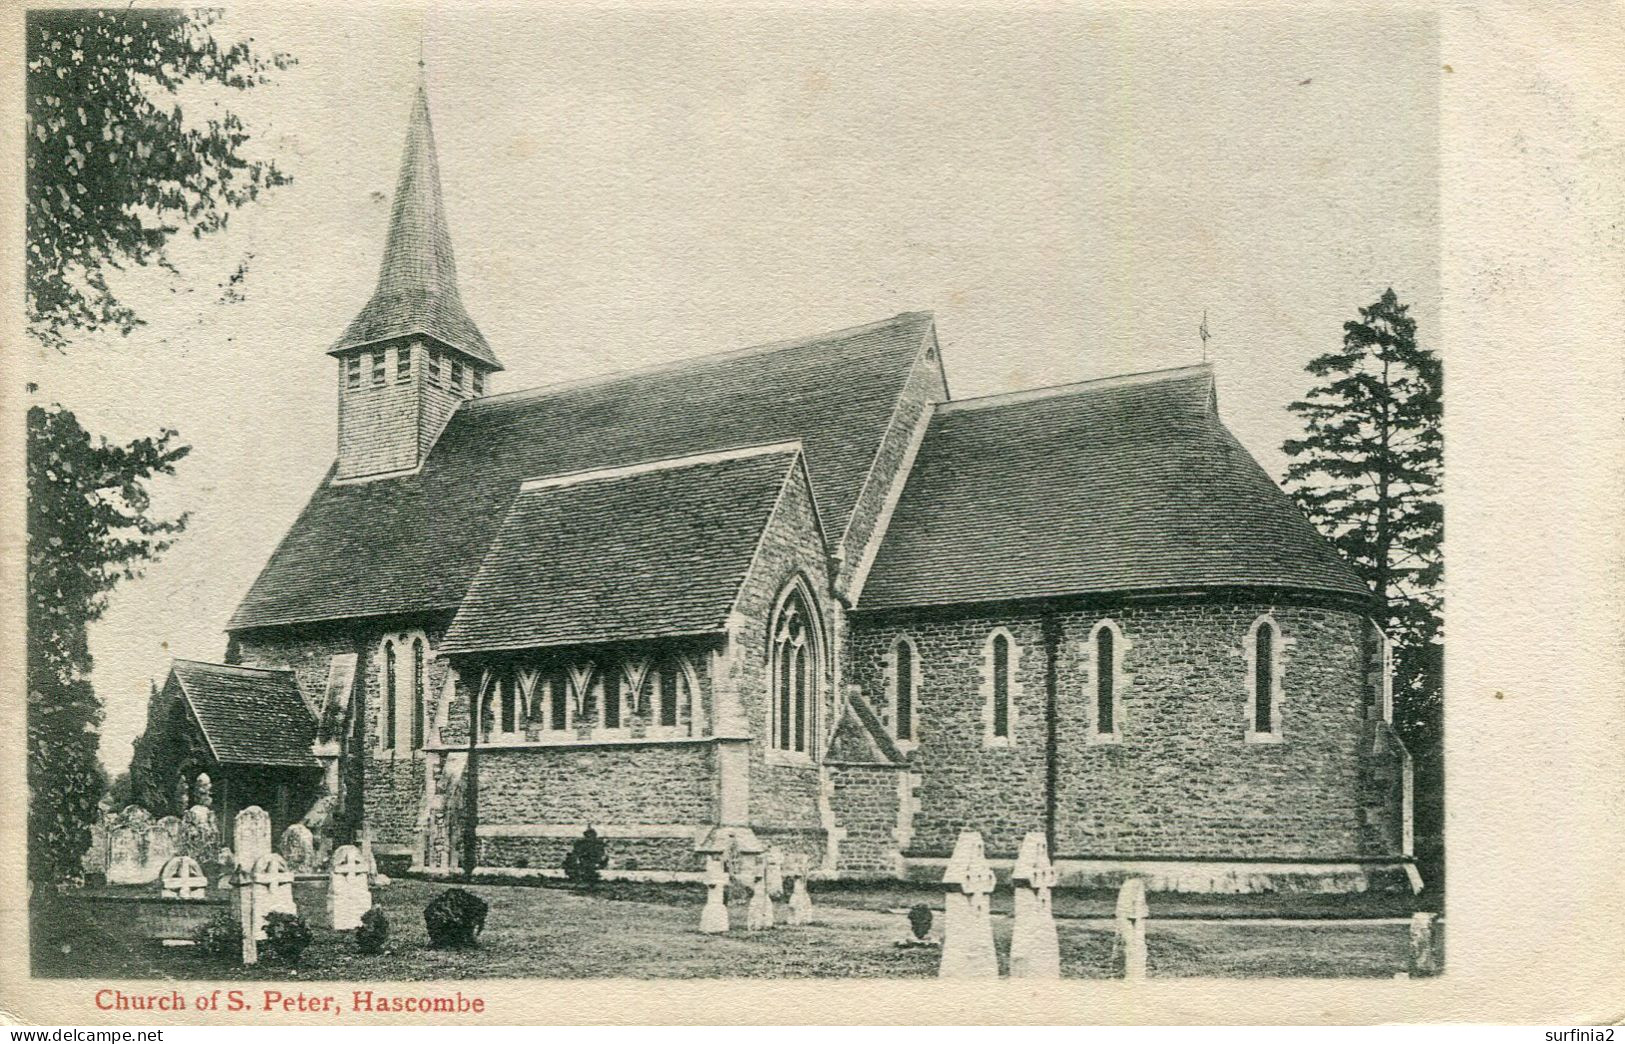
(923, 387)
(864, 800)
(1182, 781)
(783, 794)
(670, 783)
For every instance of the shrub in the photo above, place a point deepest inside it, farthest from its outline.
(221, 937)
(374, 930)
(454, 919)
(586, 859)
(286, 937)
(919, 920)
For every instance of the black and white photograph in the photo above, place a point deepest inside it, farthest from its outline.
(790, 494)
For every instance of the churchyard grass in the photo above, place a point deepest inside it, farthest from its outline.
(649, 931)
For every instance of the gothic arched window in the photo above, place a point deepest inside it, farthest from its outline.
(1105, 652)
(419, 694)
(389, 696)
(905, 688)
(793, 664)
(1264, 651)
(1001, 688)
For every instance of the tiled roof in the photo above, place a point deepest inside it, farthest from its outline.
(413, 543)
(249, 716)
(417, 284)
(616, 555)
(1124, 484)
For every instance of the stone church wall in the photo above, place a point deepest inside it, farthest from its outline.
(1182, 782)
(864, 800)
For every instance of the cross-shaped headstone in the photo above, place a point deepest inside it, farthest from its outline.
(967, 929)
(182, 878)
(1035, 950)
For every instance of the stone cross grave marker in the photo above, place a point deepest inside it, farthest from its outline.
(270, 887)
(714, 918)
(349, 891)
(774, 873)
(1035, 950)
(251, 837)
(967, 928)
(182, 878)
(759, 914)
(1131, 917)
(248, 916)
(800, 906)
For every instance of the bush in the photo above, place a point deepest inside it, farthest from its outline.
(374, 930)
(454, 919)
(286, 937)
(919, 920)
(221, 937)
(586, 859)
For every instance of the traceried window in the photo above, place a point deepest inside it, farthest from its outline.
(378, 366)
(388, 731)
(793, 662)
(352, 372)
(403, 364)
(419, 694)
(905, 688)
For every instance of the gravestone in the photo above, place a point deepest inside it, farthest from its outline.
(163, 843)
(298, 848)
(251, 836)
(129, 833)
(200, 832)
(349, 894)
(182, 878)
(759, 914)
(1035, 949)
(1131, 917)
(270, 890)
(249, 915)
(714, 918)
(967, 927)
(95, 859)
(800, 907)
(774, 873)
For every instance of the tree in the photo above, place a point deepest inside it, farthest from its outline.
(90, 525)
(1367, 472)
(114, 170)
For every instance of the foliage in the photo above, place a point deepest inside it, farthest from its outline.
(114, 169)
(373, 933)
(919, 920)
(89, 525)
(286, 936)
(221, 937)
(1368, 473)
(586, 859)
(454, 919)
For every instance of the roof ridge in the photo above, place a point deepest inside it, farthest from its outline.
(690, 460)
(674, 364)
(1055, 391)
(232, 666)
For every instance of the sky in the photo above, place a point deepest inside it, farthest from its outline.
(1068, 191)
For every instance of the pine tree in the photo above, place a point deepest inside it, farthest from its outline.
(1368, 472)
(89, 526)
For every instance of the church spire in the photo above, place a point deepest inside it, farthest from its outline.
(417, 283)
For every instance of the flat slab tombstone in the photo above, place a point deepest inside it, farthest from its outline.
(967, 927)
(182, 878)
(349, 889)
(1132, 913)
(1035, 949)
(251, 836)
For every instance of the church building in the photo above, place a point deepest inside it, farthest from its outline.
(799, 596)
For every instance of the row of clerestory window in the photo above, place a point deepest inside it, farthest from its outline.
(593, 697)
(1263, 653)
(442, 366)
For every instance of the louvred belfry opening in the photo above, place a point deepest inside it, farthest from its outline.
(413, 354)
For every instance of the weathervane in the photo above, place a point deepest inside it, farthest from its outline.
(1201, 331)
